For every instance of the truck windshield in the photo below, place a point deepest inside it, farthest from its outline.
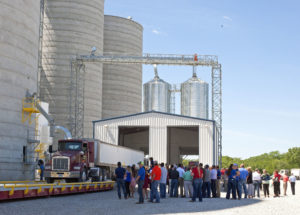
(69, 146)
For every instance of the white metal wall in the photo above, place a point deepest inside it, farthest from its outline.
(107, 131)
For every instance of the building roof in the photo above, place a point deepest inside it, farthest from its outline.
(149, 112)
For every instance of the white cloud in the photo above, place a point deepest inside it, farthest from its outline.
(227, 18)
(155, 31)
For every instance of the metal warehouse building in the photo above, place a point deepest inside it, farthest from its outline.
(163, 136)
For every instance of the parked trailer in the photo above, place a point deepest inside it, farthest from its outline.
(79, 159)
(296, 173)
(20, 190)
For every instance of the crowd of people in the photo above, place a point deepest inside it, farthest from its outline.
(197, 182)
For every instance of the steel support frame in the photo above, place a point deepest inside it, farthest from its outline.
(174, 89)
(40, 51)
(186, 60)
(216, 85)
(77, 87)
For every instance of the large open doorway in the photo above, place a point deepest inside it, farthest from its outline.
(135, 137)
(182, 141)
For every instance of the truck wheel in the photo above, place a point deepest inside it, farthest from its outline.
(83, 176)
(95, 179)
(49, 180)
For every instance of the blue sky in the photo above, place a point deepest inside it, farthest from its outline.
(258, 45)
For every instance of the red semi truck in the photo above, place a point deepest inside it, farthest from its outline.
(77, 160)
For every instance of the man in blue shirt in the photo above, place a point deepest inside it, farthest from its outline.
(219, 175)
(140, 181)
(120, 174)
(231, 181)
(243, 179)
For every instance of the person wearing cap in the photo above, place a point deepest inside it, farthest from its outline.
(140, 181)
(256, 182)
(231, 181)
(120, 174)
(155, 178)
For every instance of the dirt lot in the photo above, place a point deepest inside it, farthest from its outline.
(108, 203)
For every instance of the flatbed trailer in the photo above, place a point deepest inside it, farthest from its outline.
(13, 190)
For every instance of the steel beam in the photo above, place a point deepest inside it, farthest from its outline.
(166, 59)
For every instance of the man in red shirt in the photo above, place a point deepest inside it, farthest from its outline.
(276, 183)
(155, 178)
(198, 175)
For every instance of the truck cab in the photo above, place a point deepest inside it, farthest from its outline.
(71, 161)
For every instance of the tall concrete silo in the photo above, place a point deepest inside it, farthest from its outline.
(19, 40)
(122, 84)
(194, 98)
(72, 27)
(157, 94)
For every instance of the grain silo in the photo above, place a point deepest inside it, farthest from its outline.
(72, 27)
(122, 84)
(157, 94)
(194, 98)
(19, 30)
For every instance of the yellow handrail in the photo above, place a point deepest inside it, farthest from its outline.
(20, 182)
(60, 185)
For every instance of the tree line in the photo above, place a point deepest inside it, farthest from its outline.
(269, 161)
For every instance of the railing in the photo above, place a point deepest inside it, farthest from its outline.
(80, 185)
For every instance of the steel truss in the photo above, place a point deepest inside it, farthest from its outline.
(40, 51)
(77, 99)
(77, 90)
(216, 85)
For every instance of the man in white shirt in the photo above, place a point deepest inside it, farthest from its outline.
(163, 181)
(292, 180)
(181, 171)
(213, 179)
(256, 181)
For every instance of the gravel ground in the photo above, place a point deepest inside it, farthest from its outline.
(108, 203)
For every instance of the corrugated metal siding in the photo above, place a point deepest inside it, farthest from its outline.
(107, 131)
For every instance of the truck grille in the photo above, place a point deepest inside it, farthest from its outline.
(61, 164)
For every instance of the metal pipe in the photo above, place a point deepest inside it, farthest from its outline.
(67, 133)
(155, 71)
(194, 72)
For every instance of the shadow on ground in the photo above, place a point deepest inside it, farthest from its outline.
(103, 203)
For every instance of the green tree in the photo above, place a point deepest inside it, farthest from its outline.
(293, 157)
(269, 161)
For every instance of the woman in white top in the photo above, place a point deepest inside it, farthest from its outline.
(256, 181)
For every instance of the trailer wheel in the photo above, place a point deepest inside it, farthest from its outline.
(83, 176)
(49, 180)
(95, 179)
